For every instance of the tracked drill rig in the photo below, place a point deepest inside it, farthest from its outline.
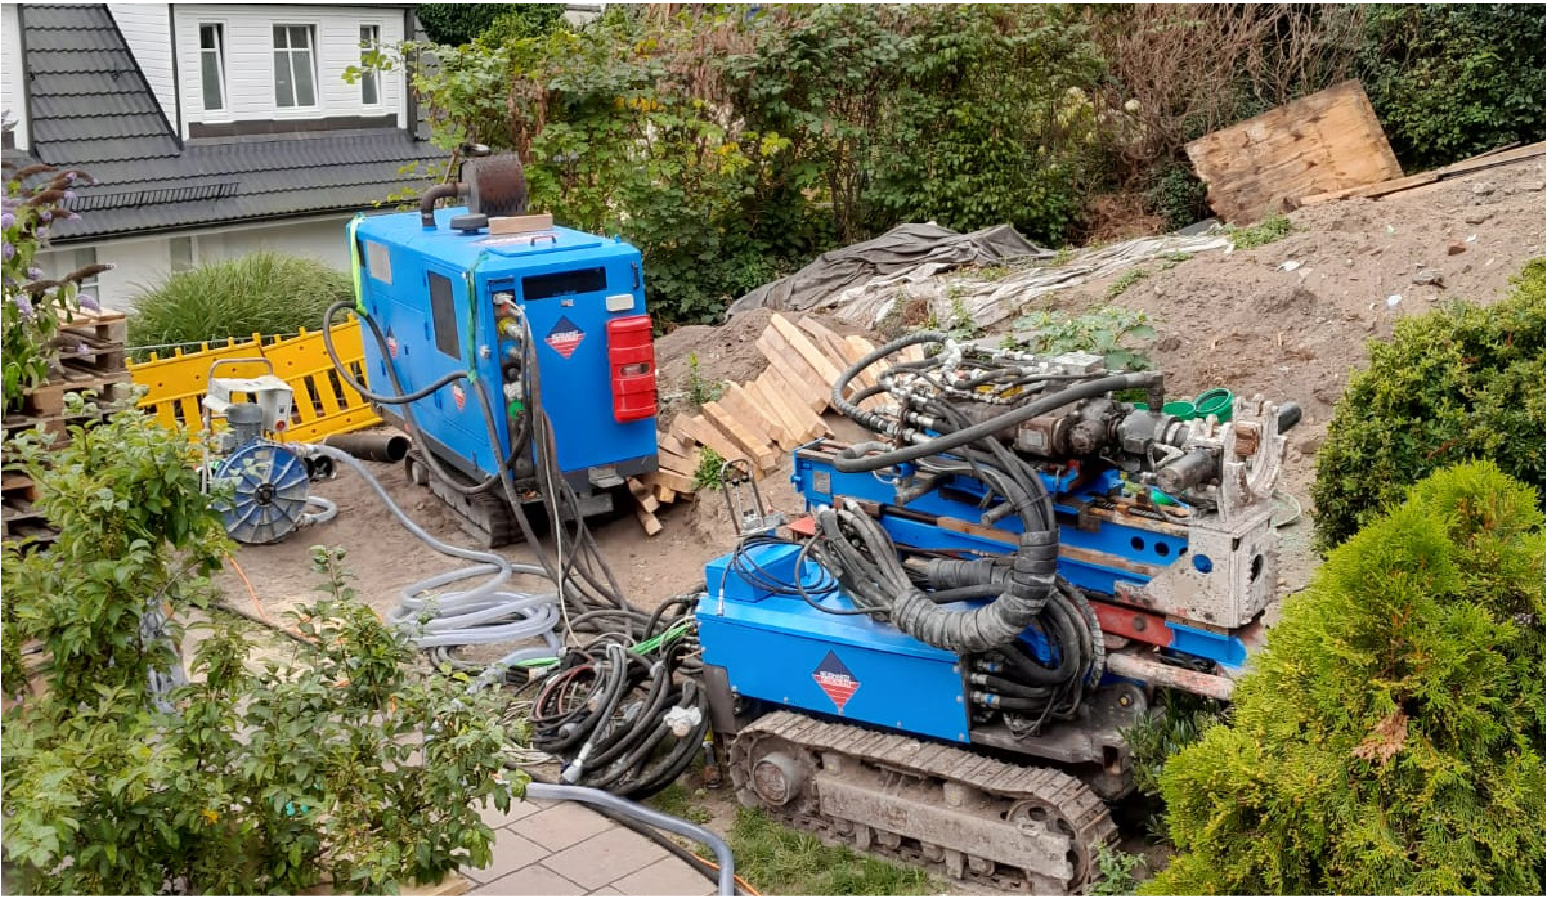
(938, 664)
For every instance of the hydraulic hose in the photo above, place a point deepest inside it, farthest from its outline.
(726, 882)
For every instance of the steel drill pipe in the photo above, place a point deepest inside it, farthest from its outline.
(1147, 668)
(372, 447)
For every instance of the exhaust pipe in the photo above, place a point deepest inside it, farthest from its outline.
(429, 198)
(371, 447)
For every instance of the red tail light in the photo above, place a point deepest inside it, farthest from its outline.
(632, 366)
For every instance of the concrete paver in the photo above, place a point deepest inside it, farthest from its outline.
(566, 849)
(668, 877)
(508, 853)
(520, 809)
(599, 861)
(533, 880)
(562, 826)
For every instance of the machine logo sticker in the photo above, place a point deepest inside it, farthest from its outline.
(459, 396)
(836, 681)
(564, 337)
(392, 343)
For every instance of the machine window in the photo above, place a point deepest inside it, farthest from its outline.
(444, 315)
(564, 284)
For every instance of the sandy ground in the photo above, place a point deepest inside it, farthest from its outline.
(1251, 320)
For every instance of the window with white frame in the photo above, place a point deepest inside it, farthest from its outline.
(295, 72)
(371, 40)
(212, 66)
(182, 253)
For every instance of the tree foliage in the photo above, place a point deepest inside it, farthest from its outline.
(333, 762)
(1459, 383)
(1390, 738)
(1449, 81)
(460, 23)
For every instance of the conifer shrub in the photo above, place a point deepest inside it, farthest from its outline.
(1463, 382)
(1390, 738)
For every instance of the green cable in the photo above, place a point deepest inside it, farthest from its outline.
(355, 264)
(642, 648)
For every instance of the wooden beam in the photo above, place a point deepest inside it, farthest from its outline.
(1473, 164)
(769, 417)
(750, 446)
(771, 403)
(805, 349)
(801, 407)
(674, 482)
(748, 414)
(805, 383)
(707, 434)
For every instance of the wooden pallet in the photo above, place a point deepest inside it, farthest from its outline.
(763, 419)
(49, 400)
(89, 354)
(106, 326)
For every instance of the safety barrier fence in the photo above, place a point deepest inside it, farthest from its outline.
(323, 403)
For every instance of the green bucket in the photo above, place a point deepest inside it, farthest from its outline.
(1180, 409)
(1216, 401)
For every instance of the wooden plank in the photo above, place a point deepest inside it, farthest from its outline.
(770, 400)
(755, 449)
(806, 385)
(673, 439)
(518, 224)
(664, 493)
(831, 344)
(1323, 142)
(748, 414)
(648, 521)
(1473, 164)
(769, 416)
(803, 409)
(674, 482)
(642, 494)
(707, 435)
(684, 464)
(805, 349)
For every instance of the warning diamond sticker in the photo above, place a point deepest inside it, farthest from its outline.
(836, 681)
(564, 337)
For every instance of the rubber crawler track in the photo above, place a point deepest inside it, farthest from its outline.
(485, 516)
(1062, 801)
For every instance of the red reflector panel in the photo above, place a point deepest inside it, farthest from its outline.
(632, 368)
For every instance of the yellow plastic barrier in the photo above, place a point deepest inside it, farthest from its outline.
(323, 403)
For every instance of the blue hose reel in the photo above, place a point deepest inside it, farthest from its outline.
(269, 497)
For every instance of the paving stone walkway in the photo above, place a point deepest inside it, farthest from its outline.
(565, 849)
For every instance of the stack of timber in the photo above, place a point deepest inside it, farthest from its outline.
(90, 357)
(761, 420)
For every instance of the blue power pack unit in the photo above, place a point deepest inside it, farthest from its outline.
(458, 298)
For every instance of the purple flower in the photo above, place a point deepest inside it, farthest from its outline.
(88, 301)
(46, 216)
(43, 231)
(7, 219)
(69, 195)
(23, 305)
(34, 272)
(9, 251)
(70, 177)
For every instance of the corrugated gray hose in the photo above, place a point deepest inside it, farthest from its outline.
(484, 614)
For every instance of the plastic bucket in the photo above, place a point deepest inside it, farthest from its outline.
(1180, 409)
(1216, 401)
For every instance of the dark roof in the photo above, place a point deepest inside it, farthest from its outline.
(90, 107)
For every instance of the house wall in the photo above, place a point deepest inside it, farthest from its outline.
(12, 85)
(147, 29)
(249, 40)
(143, 263)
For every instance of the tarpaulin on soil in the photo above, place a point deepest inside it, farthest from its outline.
(911, 252)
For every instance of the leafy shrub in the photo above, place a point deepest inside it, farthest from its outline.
(33, 307)
(261, 293)
(1179, 196)
(1112, 332)
(1265, 231)
(459, 23)
(254, 779)
(1459, 383)
(1449, 81)
(1389, 739)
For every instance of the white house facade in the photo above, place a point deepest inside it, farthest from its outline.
(213, 130)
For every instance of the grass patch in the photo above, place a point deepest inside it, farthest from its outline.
(262, 293)
(1126, 281)
(1260, 233)
(677, 801)
(780, 861)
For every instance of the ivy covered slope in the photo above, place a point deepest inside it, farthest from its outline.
(1390, 738)
(1463, 382)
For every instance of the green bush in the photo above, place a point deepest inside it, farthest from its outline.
(262, 293)
(1449, 81)
(1459, 383)
(459, 23)
(1390, 737)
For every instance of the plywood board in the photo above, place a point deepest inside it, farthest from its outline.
(1324, 142)
(1473, 164)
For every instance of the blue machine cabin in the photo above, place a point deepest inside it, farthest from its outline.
(453, 300)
